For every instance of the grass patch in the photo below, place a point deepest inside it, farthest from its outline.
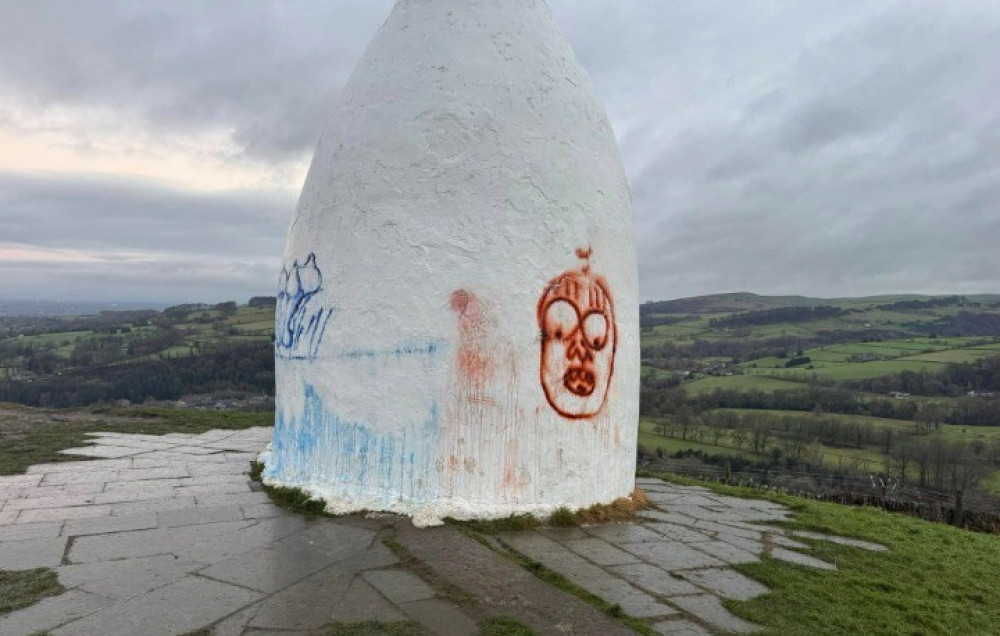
(375, 628)
(289, 497)
(739, 383)
(503, 626)
(935, 579)
(31, 436)
(21, 588)
(295, 500)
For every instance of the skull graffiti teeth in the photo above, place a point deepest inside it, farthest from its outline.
(576, 316)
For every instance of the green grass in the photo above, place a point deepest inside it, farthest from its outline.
(289, 497)
(935, 579)
(21, 588)
(503, 626)
(854, 370)
(954, 356)
(375, 628)
(35, 436)
(739, 383)
(650, 439)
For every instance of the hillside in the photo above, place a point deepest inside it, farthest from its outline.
(822, 393)
(62, 361)
(746, 301)
(826, 394)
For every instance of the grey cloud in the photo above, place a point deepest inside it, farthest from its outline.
(176, 281)
(866, 163)
(133, 240)
(814, 147)
(134, 215)
(268, 71)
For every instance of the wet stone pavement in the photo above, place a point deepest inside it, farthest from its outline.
(167, 535)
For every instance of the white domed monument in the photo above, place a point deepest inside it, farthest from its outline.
(457, 323)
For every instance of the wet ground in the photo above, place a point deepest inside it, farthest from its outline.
(168, 535)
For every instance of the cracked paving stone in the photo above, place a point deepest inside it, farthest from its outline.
(32, 553)
(680, 628)
(654, 580)
(679, 533)
(104, 525)
(127, 578)
(801, 559)
(399, 586)
(600, 552)
(710, 610)
(440, 617)
(785, 542)
(726, 552)
(854, 543)
(186, 605)
(306, 605)
(671, 555)
(51, 612)
(726, 582)
(26, 531)
(619, 533)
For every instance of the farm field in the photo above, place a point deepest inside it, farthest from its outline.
(739, 383)
(899, 378)
(137, 355)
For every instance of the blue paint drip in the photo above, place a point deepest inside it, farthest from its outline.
(318, 447)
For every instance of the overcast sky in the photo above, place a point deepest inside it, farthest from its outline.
(154, 150)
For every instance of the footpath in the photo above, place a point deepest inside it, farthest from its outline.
(168, 535)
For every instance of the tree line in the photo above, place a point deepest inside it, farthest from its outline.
(776, 316)
(245, 367)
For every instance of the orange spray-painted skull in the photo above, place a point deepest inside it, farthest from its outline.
(577, 319)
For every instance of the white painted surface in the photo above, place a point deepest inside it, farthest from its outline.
(467, 161)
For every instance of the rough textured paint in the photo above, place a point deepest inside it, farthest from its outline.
(458, 316)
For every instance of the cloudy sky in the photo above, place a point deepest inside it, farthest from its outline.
(153, 151)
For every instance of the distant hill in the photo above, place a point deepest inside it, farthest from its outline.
(43, 308)
(745, 301)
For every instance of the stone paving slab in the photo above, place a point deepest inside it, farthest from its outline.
(180, 607)
(32, 553)
(164, 535)
(51, 612)
(124, 579)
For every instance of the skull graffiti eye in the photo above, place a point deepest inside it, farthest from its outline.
(595, 330)
(560, 320)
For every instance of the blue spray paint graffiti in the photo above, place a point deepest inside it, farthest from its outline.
(299, 324)
(403, 349)
(319, 446)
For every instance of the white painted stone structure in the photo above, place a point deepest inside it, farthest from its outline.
(457, 322)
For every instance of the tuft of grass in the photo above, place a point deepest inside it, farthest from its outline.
(375, 628)
(562, 517)
(289, 497)
(21, 588)
(503, 626)
(935, 578)
(295, 500)
(621, 509)
(505, 524)
(256, 470)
